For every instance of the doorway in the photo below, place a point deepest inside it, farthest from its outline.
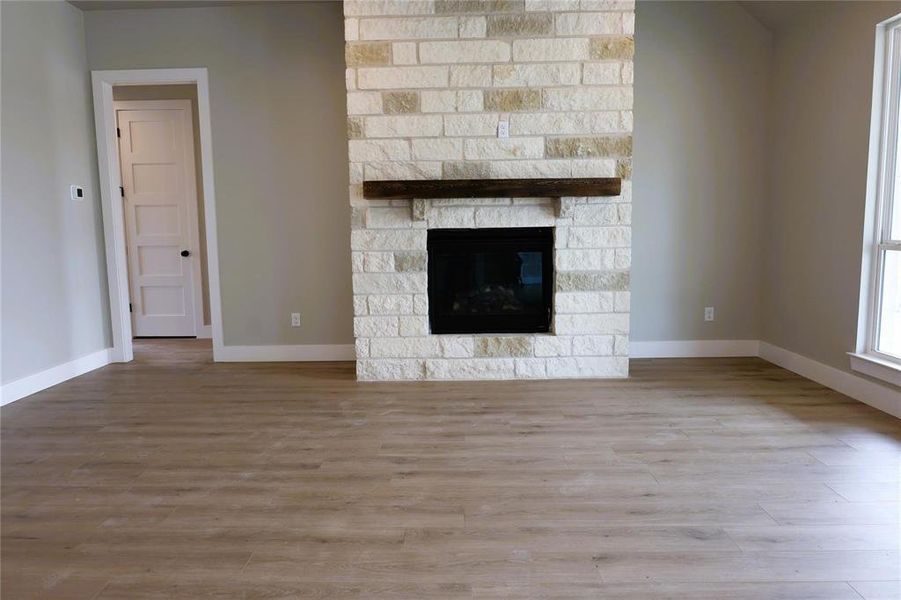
(160, 192)
(154, 150)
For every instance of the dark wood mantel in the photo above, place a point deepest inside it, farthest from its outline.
(418, 189)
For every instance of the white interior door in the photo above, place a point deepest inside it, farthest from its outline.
(156, 153)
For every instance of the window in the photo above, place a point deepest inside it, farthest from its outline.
(879, 330)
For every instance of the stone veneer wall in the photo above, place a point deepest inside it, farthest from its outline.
(427, 83)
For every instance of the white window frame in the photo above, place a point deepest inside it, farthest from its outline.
(880, 197)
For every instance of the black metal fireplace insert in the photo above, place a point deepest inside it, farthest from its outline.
(491, 280)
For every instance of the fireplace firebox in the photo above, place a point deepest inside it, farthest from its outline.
(491, 280)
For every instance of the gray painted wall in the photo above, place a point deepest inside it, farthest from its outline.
(54, 295)
(700, 165)
(823, 82)
(278, 121)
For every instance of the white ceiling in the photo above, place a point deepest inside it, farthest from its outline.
(777, 14)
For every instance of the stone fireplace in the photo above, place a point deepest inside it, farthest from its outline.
(439, 293)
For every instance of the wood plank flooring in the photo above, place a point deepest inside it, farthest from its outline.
(174, 477)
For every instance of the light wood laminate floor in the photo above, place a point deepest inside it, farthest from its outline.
(173, 477)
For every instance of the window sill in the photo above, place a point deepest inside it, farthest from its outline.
(877, 367)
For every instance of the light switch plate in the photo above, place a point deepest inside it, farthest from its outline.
(76, 192)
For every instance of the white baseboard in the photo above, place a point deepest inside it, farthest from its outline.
(31, 384)
(878, 396)
(205, 332)
(302, 353)
(694, 349)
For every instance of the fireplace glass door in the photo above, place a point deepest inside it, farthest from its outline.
(491, 280)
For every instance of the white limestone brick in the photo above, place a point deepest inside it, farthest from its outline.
(403, 53)
(408, 28)
(602, 73)
(403, 347)
(361, 308)
(388, 240)
(623, 258)
(627, 73)
(530, 368)
(370, 327)
(355, 173)
(473, 27)
(414, 326)
(557, 123)
(584, 324)
(397, 304)
(378, 262)
(551, 5)
(351, 29)
(470, 369)
(420, 304)
(621, 345)
(583, 260)
(607, 366)
(361, 346)
(395, 126)
(437, 149)
(622, 5)
(364, 8)
(456, 347)
(356, 261)
(375, 150)
(520, 216)
(535, 75)
(550, 49)
(470, 76)
(593, 214)
(475, 124)
(531, 168)
(451, 217)
(583, 302)
(451, 101)
(599, 237)
(377, 171)
(552, 345)
(495, 149)
(390, 370)
(386, 78)
(593, 345)
(388, 218)
(588, 98)
(594, 167)
(482, 51)
(629, 23)
(587, 23)
(389, 283)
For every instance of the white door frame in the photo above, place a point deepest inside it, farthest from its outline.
(111, 201)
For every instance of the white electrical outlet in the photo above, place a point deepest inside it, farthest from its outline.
(503, 128)
(295, 319)
(76, 192)
(709, 313)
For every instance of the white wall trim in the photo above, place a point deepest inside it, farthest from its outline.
(204, 332)
(693, 349)
(31, 384)
(301, 353)
(878, 396)
(113, 218)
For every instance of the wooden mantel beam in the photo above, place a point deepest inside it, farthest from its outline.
(419, 189)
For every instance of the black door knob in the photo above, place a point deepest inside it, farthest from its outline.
(186, 253)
